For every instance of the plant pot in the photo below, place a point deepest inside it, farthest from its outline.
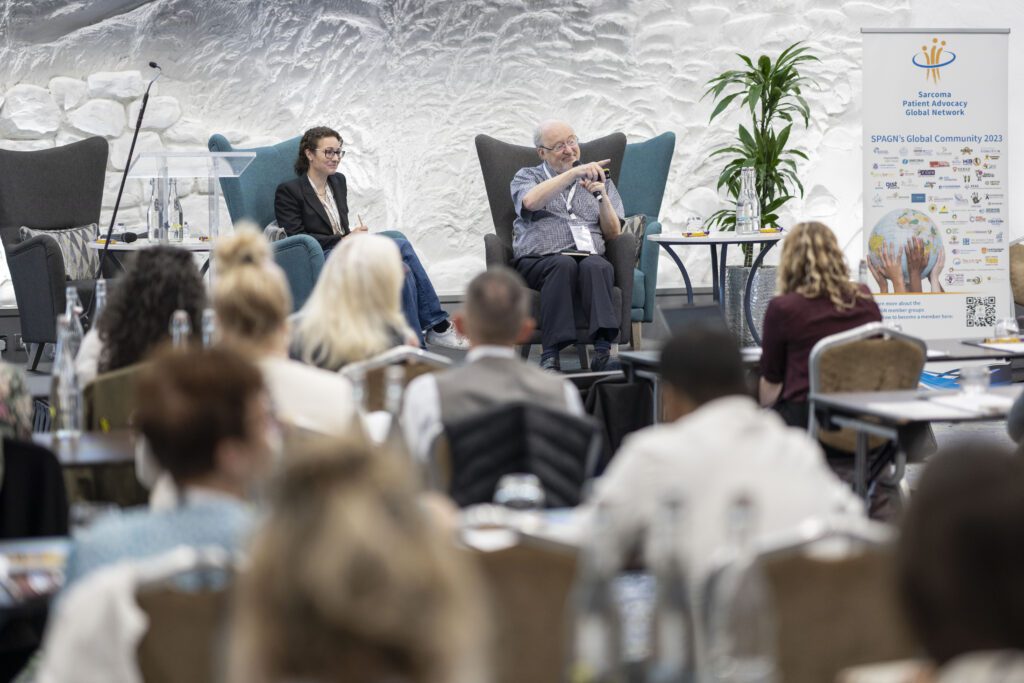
(760, 294)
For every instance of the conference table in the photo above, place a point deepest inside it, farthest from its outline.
(90, 449)
(888, 414)
(767, 240)
(118, 248)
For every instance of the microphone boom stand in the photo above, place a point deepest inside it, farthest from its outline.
(127, 166)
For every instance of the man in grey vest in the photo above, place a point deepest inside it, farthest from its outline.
(494, 317)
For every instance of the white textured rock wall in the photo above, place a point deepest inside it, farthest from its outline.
(410, 82)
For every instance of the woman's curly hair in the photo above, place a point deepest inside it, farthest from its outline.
(138, 313)
(812, 264)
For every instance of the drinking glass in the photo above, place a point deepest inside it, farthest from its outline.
(1007, 328)
(974, 379)
(694, 224)
(520, 491)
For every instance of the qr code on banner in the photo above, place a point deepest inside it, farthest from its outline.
(980, 311)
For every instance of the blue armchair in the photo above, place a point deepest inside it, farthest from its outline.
(642, 187)
(301, 259)
(251, 195)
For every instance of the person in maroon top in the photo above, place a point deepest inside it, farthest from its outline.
(815, 299)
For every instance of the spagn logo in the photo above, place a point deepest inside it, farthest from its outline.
(932, 59)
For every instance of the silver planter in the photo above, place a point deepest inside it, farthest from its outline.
(761, 293)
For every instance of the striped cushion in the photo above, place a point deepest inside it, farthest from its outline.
(80, 262)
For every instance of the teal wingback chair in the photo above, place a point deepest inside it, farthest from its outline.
(642, 187)
(251, 195)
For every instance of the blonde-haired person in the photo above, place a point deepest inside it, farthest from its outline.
(815, 299)
(354, 311)
(349, 580)
(252, 303)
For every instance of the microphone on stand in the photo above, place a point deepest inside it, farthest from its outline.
(124, 176)
(597, 194)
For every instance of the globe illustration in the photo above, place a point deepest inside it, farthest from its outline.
(895, 228)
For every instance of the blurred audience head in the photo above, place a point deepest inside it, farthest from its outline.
(497, 309)
(15, 404)
(309, 143)
(960, 555)
(698, 365)
(354, 311)
(250, 295)
(205, 416)
(350, 581)
(812, 264)
(138, 314)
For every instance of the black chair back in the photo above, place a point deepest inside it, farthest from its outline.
(51, 189)
(561, 449)
(33, 500)
(500, 161)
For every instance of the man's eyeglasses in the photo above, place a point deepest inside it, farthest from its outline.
(333, 153)
(560, 147)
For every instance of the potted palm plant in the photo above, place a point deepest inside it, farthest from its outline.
(771, 92)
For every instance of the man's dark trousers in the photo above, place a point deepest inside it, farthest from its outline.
(568, 284)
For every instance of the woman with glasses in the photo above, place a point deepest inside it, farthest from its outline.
(316, 204)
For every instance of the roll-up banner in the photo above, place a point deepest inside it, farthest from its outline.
(936, 198)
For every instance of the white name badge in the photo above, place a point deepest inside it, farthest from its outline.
(581, 235)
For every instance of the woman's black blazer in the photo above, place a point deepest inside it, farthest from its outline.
(299, 211)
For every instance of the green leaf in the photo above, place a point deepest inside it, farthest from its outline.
(746, 139)
(722, 104)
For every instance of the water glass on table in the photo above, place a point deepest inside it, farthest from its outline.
(1007, 328)
(974, 379)
(520, 491)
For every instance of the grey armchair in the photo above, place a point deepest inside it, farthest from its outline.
(51, 189)
(499, 162)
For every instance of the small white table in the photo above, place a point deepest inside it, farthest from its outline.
(767, 240)
(117, 247)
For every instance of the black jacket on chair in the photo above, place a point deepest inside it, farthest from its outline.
(299, 212)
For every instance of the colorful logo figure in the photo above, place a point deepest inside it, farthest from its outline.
(932, 59)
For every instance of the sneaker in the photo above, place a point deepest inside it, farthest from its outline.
(605, 363)
(551, 364)
(449, 339)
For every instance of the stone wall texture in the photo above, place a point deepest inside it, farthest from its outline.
(409, 83)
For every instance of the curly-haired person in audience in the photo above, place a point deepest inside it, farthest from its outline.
(138, 313)
(350, 581)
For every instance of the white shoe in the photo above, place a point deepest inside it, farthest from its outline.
(449, 339)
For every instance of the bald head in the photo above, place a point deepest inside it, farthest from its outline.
(551, 130)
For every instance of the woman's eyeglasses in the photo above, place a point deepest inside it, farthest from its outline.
(333, 153)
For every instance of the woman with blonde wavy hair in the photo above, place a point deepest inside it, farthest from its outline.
(349, 580)
(815, 299)
(354, 311)
(252, 303)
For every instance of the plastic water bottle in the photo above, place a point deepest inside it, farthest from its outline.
(748, 205)
(73, 310)
(65, 394)
(741, 634)
(862, 272)
(154, 233)
(596, 637)
(673, 634)
(209, 327)
(181, 329)
(101, 299)
(177, 219)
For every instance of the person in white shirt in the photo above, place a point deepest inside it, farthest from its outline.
(495, 316)
(252, 302)
(716, 445)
